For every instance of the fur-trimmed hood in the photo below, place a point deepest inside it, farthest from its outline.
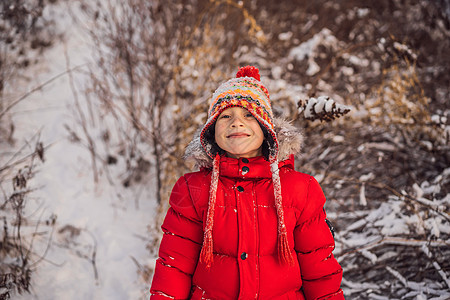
(290, 140)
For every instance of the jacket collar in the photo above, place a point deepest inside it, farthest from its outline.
(250, 168)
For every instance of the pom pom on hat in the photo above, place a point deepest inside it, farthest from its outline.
(249, 71)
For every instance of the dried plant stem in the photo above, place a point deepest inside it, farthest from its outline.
(16, 245)
(12, 163)
(254, 27)
(415, 286)
(392, 241)
(432, 208)
(92, 257)
(332, 62)
(27, 94)
(436, 265)
(149, 134)
(384, 186)
(91, 144)
(47, 248)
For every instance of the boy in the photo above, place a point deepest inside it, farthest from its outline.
(247, 225)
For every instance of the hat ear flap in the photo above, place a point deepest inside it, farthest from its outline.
(209, 137)
(265, 146)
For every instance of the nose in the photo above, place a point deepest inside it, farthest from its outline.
(236, 122)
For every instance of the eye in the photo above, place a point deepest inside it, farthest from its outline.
(249, 115)
(224, 116)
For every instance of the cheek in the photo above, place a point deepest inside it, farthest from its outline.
(218, 133)
(258, 131)
(260, 135)
(217, 130)
(217, 137)
(260, 139)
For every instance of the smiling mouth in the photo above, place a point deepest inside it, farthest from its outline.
(237, 135)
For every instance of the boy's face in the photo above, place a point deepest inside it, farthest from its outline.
(238, 133)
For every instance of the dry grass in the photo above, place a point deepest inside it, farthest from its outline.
(18, 260)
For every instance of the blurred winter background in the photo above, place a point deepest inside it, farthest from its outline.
(98, 99)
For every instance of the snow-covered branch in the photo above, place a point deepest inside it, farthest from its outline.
(322, 108)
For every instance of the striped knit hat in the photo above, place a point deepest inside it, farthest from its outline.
(248, 92)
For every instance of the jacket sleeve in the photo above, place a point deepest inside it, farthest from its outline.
(314, 243)
(180, 247)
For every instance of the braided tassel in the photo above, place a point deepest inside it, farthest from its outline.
(206, 255)
(284, 252)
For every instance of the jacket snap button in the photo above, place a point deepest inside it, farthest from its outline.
(245, 161)
(245, 169)
(244, 256)
(240, 188)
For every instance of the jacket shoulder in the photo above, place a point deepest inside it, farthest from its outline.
(296, 180)
(196, 184)
(303, 189)
(203, 174)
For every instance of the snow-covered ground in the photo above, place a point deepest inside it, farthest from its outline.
(99, 230)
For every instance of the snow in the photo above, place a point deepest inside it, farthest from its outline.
(277, 71)
(355, 60)
(362, 195)
(329, 105)
(322, 105)
(307, 49)
(338, 139)
(108, 228)
(362, 12)
(369, 255)
(379, 146)
(404, 48)
(285, 36)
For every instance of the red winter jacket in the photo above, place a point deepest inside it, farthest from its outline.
(245, 264)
